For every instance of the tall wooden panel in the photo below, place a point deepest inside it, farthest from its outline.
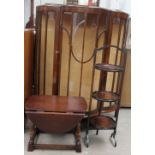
(66, 39)
(83, 31)
(28, 61)
(126, 90)
(47, 50)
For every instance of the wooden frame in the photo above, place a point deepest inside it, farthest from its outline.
(35, 132)
(56, 115)
(107, 18)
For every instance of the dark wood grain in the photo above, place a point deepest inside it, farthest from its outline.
(45, 44)
(54, 146)
(103, 122)
(116, 57)
(56, 59)
(57, 123)
(55, 114)
(106, 54)
(56, 104)
(105, 96)
(34, 145)
(39, 36)
(28, 62)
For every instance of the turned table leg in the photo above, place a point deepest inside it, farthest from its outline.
(32, 137)
(77, 138)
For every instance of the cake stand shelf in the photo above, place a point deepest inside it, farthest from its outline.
(105, 96)
(109, 67)
(103, 122)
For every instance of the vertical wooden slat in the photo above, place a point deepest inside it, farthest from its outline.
(61, 25)
(85, 24)
(108, 38)
(46, 27)
(59, 47)
(34, 64)
(106, 54)
(120, 74)
(93, 70)
(61, 9)
(28, 62)
(123, 58)
(116, 57)
(97, 29)
(39, 50)
(70, 50)
(56, 58)
(35, 56)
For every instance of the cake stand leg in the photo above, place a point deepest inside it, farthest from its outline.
(86, 139)
(113, 139)
(97, 131)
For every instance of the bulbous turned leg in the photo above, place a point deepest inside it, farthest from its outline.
(77, 138)
(32, 137)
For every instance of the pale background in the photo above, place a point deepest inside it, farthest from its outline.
(12, 87)
(124, 5)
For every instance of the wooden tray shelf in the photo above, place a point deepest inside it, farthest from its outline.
(103, 122)
(110, 109)
(94, 113)
(109, 68)
(104, 96)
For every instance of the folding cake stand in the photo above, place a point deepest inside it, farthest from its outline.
(98, 119)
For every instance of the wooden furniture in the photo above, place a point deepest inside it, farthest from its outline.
(66, 38)
(28, 64)
(28, 61)
(55, 114)
(126, 90)
(100, 120)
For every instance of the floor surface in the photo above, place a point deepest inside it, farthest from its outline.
(99, 144)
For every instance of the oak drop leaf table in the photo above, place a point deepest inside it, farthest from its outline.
(56, 115)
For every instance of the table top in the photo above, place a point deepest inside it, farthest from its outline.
(56, 104)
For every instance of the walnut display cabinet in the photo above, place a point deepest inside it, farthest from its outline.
(80, 51)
